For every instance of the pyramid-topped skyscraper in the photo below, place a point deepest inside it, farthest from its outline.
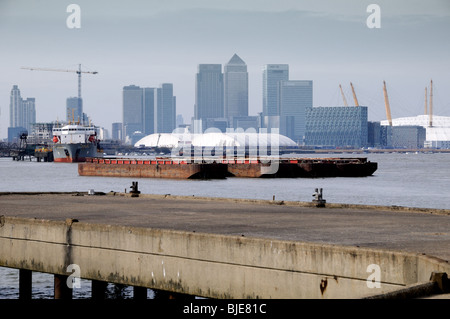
(235, 88)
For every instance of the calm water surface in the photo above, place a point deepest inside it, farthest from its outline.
(413, 180)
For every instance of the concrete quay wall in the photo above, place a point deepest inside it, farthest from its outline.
(208, 265)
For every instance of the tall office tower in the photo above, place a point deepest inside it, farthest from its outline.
(272, 74)
(15, 107)
(209, 92)
(148, 109)
(294, 98)
(132, 110)
(29, 113)
(166, 109)
(22, 113)
(235, 88)
(74, 110)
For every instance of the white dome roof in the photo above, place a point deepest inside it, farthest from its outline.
(215, 139)
(261, 139)
(159, 140)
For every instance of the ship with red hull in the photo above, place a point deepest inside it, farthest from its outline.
(74, 143)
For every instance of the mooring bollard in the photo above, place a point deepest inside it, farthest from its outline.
(318, 198)
(134, 189)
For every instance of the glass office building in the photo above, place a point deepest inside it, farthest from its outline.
(294, 98)
(339, 126)
(235, 88)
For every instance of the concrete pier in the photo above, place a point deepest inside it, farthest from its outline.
(225, 248)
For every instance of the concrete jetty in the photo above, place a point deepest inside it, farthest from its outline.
(226, 248)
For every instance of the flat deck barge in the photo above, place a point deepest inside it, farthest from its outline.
(223, 168)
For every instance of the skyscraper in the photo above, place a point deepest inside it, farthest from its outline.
(294, 98)
(235, 88)
(209, 92)
(272, 75)
(132, 110)
(148, 110)
(149, 102)
(166, 109)
(15, 107)
(74, 110)
(22, 113)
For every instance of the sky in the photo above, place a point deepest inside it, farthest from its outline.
(147, 43)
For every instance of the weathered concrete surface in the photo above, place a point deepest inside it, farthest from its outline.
(197, 247)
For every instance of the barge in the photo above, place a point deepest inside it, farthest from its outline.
(223, 168)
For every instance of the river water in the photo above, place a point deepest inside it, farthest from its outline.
(412, 180)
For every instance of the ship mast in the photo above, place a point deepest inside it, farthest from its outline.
(431, 104)
(426, 101)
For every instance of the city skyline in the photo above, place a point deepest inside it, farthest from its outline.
(327, 42)
(147, 110)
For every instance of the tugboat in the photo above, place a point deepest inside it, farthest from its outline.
(74, 143)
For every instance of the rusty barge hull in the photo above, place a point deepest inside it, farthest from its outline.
(146, 169)
(307, 168)
(181, 169)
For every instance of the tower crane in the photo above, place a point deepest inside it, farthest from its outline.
(65, 70)
(354, 94)
(386, 102)
(343, 96)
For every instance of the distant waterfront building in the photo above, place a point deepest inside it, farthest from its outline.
(235, 88)
(180, 120)
(246, 122)
(437, 135)
(41, 133)
(14, 133)
(74, 110)
(220, 123)
(116, 131)
(408, 136)
(209, 88)
(22, 112)
(294, 97)
(339, 126)
(272, 75)
(374, 134)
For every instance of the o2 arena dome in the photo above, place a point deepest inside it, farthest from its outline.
(159, 140)
(171, 140)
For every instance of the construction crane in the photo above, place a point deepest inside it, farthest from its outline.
(64, 70)
(343, 96)
(386, 102)
(354, 94)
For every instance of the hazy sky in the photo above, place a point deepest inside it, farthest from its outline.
(147, 43)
